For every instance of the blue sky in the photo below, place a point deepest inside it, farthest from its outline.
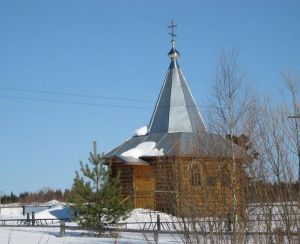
(118, 49)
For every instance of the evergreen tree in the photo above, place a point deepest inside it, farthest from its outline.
(97, 194)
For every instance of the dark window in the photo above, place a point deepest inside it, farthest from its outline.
(224, 176)
(211, 181)
(125, 186)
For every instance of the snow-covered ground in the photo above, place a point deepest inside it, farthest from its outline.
(51, 234)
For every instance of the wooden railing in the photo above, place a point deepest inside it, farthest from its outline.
(156, 228)
(31, 222)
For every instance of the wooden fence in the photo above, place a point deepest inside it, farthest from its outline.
(154, 228)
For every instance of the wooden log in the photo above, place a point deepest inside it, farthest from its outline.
(62, 228)
(32, 219)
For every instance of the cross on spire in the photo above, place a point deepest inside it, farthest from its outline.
(172, 34)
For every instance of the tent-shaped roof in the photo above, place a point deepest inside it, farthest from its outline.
(176, 126)
(175, 110)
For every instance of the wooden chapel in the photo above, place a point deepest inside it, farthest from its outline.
(175, 165)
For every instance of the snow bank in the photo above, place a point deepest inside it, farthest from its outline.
(147, 148)
(141, 131)
(53, 203)
(56, 212)
(147, 215)
(11, 204)
(14, 212)
(144, 218)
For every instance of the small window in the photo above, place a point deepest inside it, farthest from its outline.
(211, 181)
(195, 176)
(196, 180)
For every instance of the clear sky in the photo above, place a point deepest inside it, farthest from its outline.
(118, 49)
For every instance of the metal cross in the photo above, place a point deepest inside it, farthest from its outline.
(172, 34)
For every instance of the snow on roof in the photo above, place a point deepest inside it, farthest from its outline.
(147, 148)
(131, 160)
(141, 131)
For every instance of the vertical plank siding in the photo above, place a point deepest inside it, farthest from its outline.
(169, 184)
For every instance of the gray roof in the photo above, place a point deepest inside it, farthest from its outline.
(175, 110)
(181, 143)
(176, 126)
(131, 160)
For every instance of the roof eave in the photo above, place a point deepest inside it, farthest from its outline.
(125, 160)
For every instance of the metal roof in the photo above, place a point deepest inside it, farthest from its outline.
(181, 143)
(175, 110)
(129, 160)
(176, 126)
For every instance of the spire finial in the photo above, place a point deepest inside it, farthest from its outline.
(173, 54)
(172, 34)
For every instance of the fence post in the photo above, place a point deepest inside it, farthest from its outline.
(229, 223)
(28, 219)
(156, 233)
(62, 228)
(33, 219)
(158, 222)
(269, 225)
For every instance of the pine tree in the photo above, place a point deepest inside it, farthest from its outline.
(97, 194)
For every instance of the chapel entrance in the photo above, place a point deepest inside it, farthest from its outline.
(143, 188)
